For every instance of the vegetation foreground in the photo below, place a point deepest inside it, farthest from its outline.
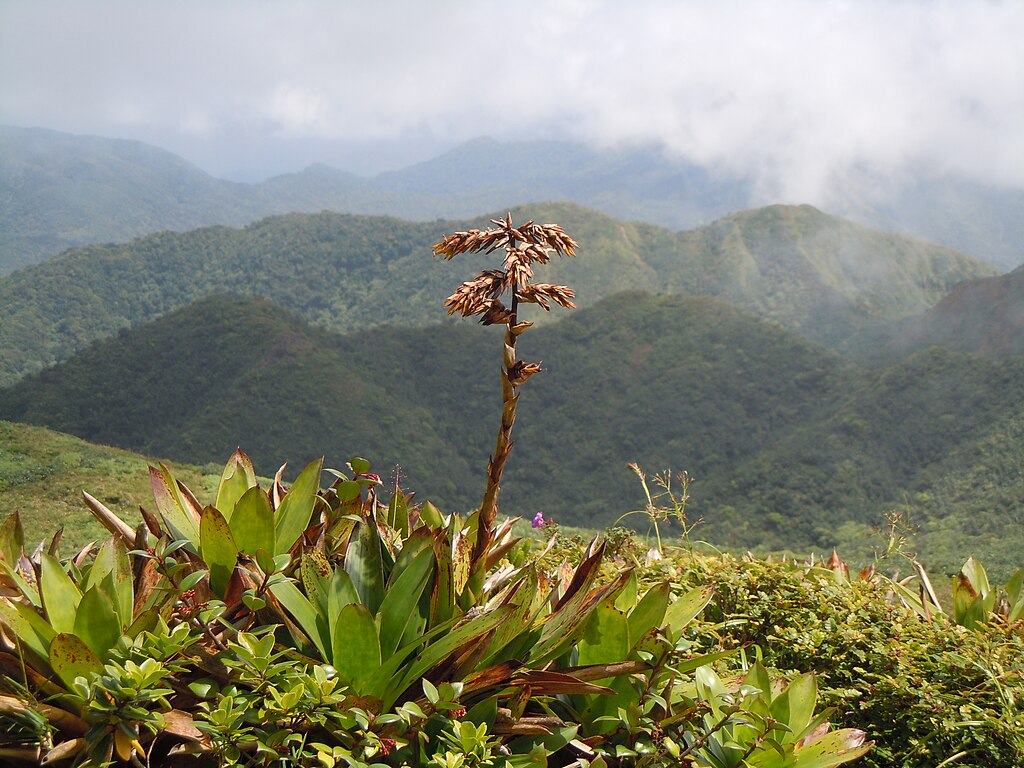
(347, 626)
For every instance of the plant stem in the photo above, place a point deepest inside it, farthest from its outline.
(503, 446)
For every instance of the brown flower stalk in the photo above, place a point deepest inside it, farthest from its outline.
(483, 296)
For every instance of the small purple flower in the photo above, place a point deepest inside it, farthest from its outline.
(538, 520)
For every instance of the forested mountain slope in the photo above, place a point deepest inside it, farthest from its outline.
(58, 190)
(791, 444)
(811, 272)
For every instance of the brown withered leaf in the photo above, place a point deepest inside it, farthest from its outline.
(541, 293)
(521, 371)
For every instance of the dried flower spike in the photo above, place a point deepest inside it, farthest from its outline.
(494, 296)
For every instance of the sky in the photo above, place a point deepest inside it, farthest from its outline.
(797, 94)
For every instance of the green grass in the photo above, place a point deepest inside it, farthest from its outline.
(43, 474)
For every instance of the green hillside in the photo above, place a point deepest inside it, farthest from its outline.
(43, 474)
(820, 275)
(792, 445)
(59, 190)
(983, 317)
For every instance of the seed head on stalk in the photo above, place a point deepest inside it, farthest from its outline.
(485, 297)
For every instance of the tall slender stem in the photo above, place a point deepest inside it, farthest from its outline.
(503, 446)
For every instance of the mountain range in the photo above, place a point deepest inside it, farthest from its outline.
(792, 445)
(820, 275)
(811, 372)
(60, 190)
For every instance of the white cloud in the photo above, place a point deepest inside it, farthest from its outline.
(797, 92)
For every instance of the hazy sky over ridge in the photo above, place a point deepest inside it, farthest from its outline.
(796, 92)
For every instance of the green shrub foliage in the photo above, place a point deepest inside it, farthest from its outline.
(346, 626)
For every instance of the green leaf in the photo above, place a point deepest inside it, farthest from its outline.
(435, 653)
(238, 477)
(399, 605)
(398, 513)
(649, 612)
(359, 466)
(31, 629)
(112, 571)
(364, 565)
(252, 522)
(431, 516)
(218, 549)
(795, 705)
(606, 639)
(304, 613)
(355, 648)
(59, 594)
(340, 593)
(316, 575)
(832, 749)
(347, 490)
(626, 601)
(685, 609)
(175, 510)
(12, 539)
(97, 623)
(1015, 595)
(70, 657)
(296, 508)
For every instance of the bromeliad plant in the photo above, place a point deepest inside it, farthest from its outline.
(484, 296)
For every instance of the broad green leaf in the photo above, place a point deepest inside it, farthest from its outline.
(1015, 586)
(442, 595)
(399, 605)
(218, 549)
(757, 677)
(711, 689)
(975, 574)
(30, 591)
(176, 512)
(565, 625)
(112, 572)
(340, 592)
(97, 623)
(355, 647)
(316, 575)
(1015, 595)
(685, 609)
(398, 513)
(435, 653)
(520, 598)
(359, 466)
(606, 638)
(252, 522)
(431, 516)
(626, 601)
(70, 657)
(59, 593)
(237, 478)
(12, 539)
(296, 508)
(649, 612)
(795, 705)
(364, 565)
(304, 613)
(30, 629)
(832, 749)
(347, 490)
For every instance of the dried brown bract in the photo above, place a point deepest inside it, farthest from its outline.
(485, 297)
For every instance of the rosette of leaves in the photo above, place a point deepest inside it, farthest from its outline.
(495, 296)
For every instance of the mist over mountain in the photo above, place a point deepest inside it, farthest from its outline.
(58, 190)
(822, 276)
(792, 444)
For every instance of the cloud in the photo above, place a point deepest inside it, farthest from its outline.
(797, 93)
